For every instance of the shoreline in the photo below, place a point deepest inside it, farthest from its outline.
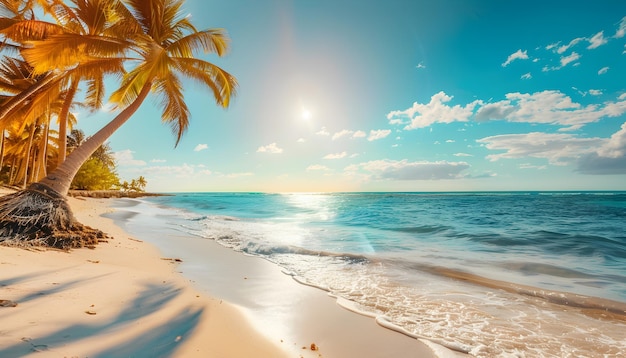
(289, 313)
(131, 297)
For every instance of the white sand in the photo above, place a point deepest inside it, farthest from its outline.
(121, 299)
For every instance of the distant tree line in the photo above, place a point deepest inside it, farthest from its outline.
(27, 157)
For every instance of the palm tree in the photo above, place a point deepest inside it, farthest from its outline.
(164, 43)
(86, 24)
(141, 183)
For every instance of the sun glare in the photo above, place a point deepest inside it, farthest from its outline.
(306, 114)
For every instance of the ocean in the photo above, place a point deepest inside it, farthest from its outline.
(507, 274)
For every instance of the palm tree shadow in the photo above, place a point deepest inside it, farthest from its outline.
(20, 278)
(154, 342)
(160, 342)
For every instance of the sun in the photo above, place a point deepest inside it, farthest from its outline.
(306, 114)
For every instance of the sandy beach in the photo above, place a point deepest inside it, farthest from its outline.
(121, 299)
(125, 298)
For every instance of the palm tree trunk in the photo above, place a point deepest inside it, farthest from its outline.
(61, 178)
(30, 147)
(63, 120)
(43, 153)
(12, 173)
(1, 149)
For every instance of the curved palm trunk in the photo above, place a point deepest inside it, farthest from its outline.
(60, 179)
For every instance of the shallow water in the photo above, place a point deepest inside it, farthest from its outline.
(493, 274)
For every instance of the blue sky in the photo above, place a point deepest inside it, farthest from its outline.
(397, 95)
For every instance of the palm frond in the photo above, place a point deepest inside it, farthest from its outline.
(222, 83)
(67, 50)
(210, 41)
(28, 30)
(175, 110)
(132, 83)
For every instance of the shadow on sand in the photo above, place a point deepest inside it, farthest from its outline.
(160, 341)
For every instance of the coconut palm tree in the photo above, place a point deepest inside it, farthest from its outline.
(87, 18)
(164, 43)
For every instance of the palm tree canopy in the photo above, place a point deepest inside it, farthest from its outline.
(166, 48)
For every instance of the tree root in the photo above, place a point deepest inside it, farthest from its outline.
(39, 216)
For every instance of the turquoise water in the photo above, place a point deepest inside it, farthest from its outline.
(494, 274)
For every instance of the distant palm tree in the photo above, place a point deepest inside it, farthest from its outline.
(142, 182)
(164, 42)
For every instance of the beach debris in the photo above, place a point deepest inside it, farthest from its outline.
(130, 238)
(178, 338)
(91, 313)
(7, 303)
(314, 347)
(171, 259)
(94, 261)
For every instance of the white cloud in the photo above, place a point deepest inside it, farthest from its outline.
(603, 70)
(397, 121)
(552, 46)
(317, 167)
(615, 146)
(301, 140)
(125, 158)
(564, 61)
(564, 48)
(343, 133)
(238, 175)
(621, 31)
(378, 134)
(555, 147)
(526, 76)
(609, 159)
(436, 111)
(569, 59)
(270, 148)
(597, 40)
(359, 134)
(322, 132)
(518, 55)
(462, 155)
(530, 166)
(201, 147)
(336, 155)
(405, 170)
(420, 65)
(158, 161)
(595, 92)
(548, 107)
